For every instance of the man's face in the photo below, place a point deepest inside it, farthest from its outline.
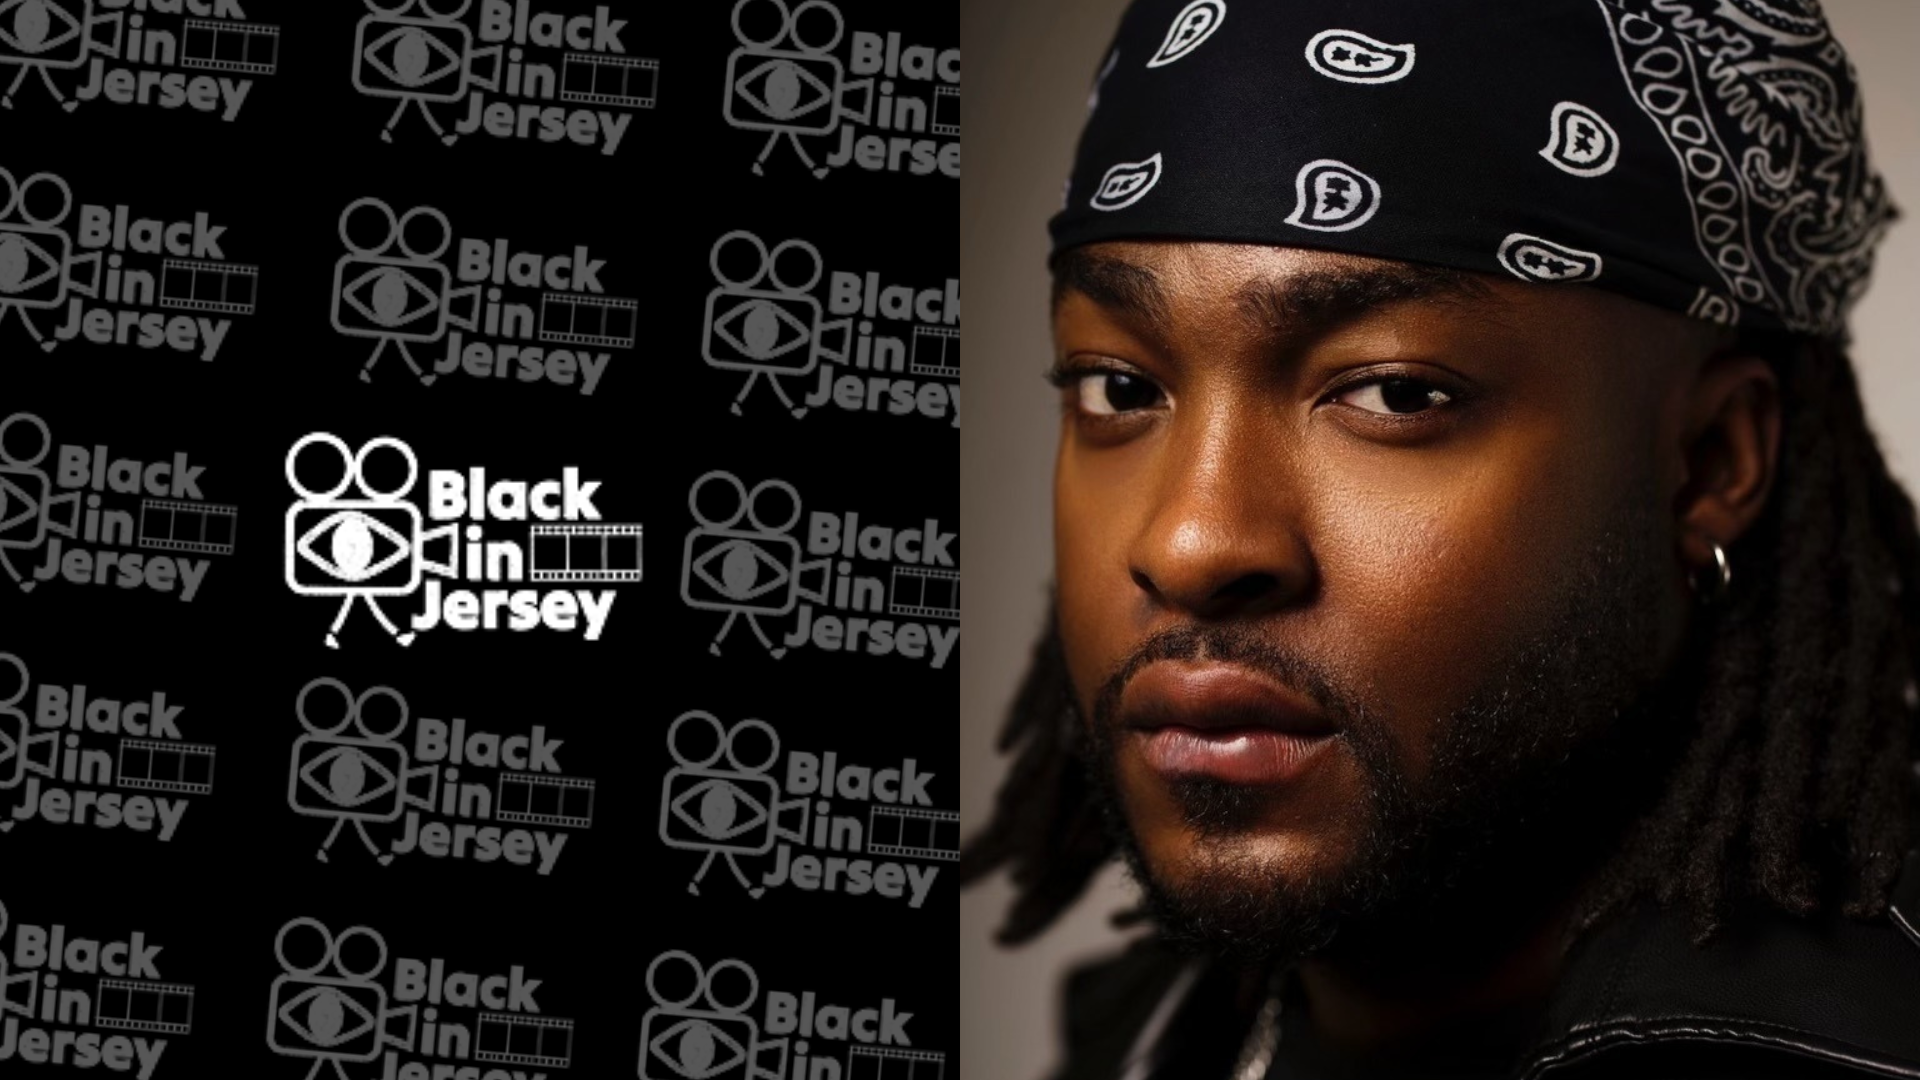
(1355, 560)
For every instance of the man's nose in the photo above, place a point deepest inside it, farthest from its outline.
(1226, 537)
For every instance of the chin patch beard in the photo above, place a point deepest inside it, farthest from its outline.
(1251, 906)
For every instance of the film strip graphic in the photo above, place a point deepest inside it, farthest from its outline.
(163, 1008)
(544, 1042)
(198, 285)
(154, 765)
(946, 110)
(238, 48)
(534, 799)
(889, 1063)
(592, 79)
(905, 831)
(200, 528)
(605, 553)
(936, 351)
(573, 319)
(925, 593)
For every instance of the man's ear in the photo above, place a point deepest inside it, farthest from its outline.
(1731, 447)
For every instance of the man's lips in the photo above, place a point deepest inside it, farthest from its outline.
(1222, 721)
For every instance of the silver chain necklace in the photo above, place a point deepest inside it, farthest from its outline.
(1256, 1054)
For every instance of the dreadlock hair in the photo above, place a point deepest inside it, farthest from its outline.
(1794, 788)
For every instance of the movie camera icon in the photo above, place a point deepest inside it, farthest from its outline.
(52, 35)
(701, 1035)
(358, 548)
(332, 1018)
(37, 264)
(27, 502)
(18, 742)
(766, 324)
(746, 572)
(396, 298)
(18, 993)
(355, 778)
(795, 91)
(419, 59)
(729, 811)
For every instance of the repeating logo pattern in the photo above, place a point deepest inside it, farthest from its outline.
(787, 80)
(446, 287)
(339, 1001)
(911, 609)
(722, 799)
(702, 1025)
(771, 325)
(132, 262)
(79, 1002)
(353, 767)
(555, 78)
(90, 760)
(535, 318)
(168, 525)
(202, 55)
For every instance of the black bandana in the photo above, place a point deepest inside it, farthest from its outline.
(1701, 155)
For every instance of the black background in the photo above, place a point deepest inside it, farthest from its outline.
(243, 864)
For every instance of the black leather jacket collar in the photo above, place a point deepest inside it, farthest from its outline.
(1832, 994)
(1831, 998)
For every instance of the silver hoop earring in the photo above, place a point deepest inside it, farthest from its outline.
(1716, 586)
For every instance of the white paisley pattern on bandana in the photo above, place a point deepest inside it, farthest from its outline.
(1757, 102)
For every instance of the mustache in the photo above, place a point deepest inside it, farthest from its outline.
(1230, 644)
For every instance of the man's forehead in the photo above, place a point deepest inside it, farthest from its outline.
(1274, 285)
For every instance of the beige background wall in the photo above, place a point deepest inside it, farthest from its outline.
(1029, 65)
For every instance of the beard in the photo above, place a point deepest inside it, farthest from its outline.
(1530, 783)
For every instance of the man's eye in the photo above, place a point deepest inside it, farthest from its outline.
(1395, 396)
(1105, 393)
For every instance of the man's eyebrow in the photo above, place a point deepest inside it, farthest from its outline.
(1112, 283)
(1318, 300)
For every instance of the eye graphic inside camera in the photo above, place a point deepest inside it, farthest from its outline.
(754, 327)
(740, 570)
(412, 57)
(325, 1017)
(353, 543)
(697, 1049)
(390, 296)
(719, 810)
(36, 26)
(348, 777)
(781, 89)
(18, 257)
